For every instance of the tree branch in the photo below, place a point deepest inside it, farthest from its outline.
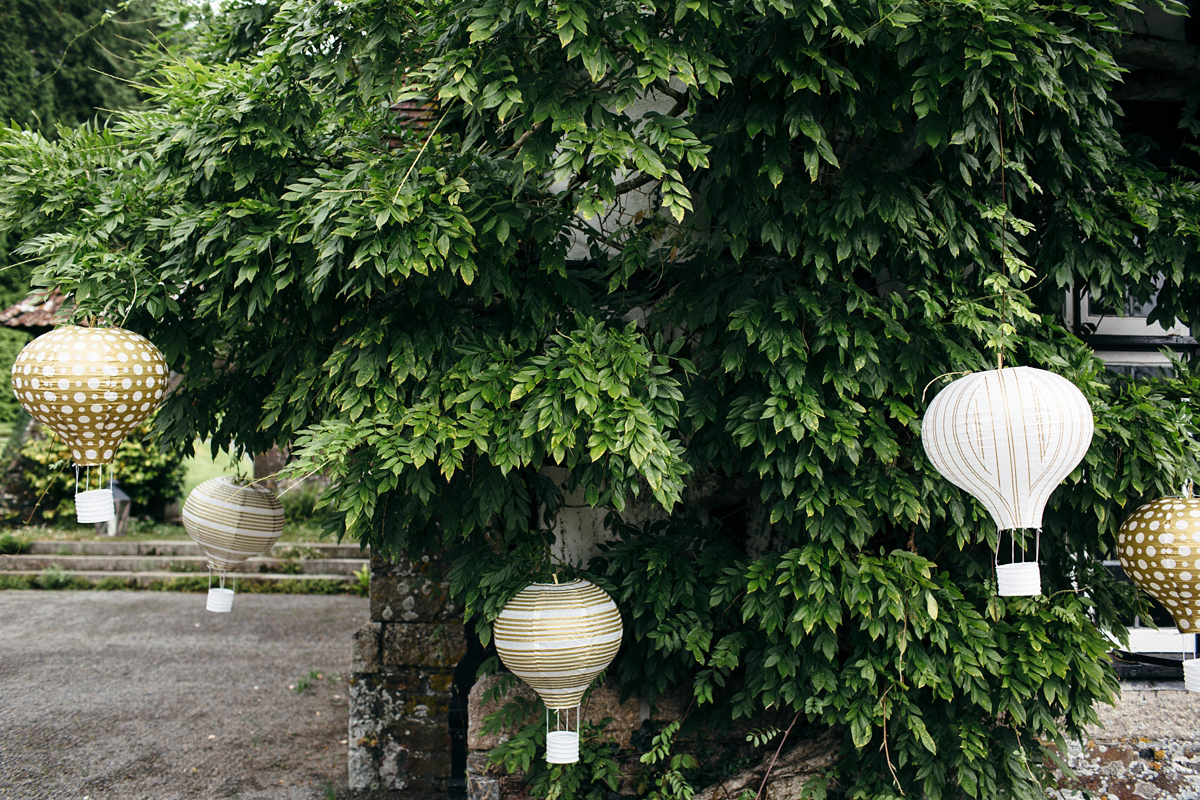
(1161, 69)
(789, 772)
(1160, 55)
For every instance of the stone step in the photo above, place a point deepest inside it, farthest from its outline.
(183, 547)
(179, 564)
(234, 580)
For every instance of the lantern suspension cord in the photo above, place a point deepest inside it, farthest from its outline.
(925, 391)
(1003, 235)
(1012, 547)
(559, 715)
(132, 301)
(220, 577)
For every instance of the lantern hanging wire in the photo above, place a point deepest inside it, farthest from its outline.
(1191, 664)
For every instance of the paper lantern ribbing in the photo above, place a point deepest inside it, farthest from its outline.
(91, 386)
(231, 522)
(1159, 548)
(1009, 437)
(558, 638)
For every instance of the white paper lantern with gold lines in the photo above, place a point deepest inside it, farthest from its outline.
(558, 638)
(1159, 549)
(231, 522)
(91, 386)
(1009, 437)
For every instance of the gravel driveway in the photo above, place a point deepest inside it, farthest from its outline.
(145, 695)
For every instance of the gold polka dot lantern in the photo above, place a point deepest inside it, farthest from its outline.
(231, 522)
(558, 638)
(1159, 548)
(91, 386)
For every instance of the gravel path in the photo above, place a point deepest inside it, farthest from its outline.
(145, 695)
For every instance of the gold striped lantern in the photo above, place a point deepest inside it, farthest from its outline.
(91, 386)
(1009, 437)
(558, 638)
(231, 522)
(1159, 548)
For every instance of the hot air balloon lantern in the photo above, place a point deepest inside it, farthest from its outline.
(1009, 437)
(91, 386)
(558, 638)
(231, 521)
(1159, 549)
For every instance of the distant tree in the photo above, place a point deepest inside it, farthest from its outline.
(713, 255)
(63, 62)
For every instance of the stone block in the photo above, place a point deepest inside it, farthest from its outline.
(426, 735)
(411, 591)
(429, 765)
(399, 739)
(481, 784)
(365, 652)
(440, 645)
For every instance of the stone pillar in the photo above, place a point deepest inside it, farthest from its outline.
(402, 681)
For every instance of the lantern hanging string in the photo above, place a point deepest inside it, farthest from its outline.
(132, 302)
(1012, 547)
(925, 391)
(1003, 234)
(87, 472)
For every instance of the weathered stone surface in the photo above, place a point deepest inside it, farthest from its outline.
(1131, 768)
(481, 784)
(1146, 746)
(627, 717)
(428, 765)
(410, 591)
(1160, 713)
(439, 645)
(398, 739)
(404, 663)
(786, 776)
(425, 735)
(414, 680)
(367, 640)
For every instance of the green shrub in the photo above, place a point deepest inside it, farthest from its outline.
(12, 545)
(15, 582)
(54, 577)
(362, 583)
(195, 583)
(42, 480)
(113, 583)
(300, 504)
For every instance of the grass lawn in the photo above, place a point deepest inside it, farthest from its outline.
(204, 465)
(146, 530)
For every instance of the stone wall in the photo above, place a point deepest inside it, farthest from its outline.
(1147, 747)
(402, 686)
(402, 694)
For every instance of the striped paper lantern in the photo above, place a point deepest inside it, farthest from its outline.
(1009, 437)
(91, 386)
(231, 522)
(558, 638)
(1159, 549)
